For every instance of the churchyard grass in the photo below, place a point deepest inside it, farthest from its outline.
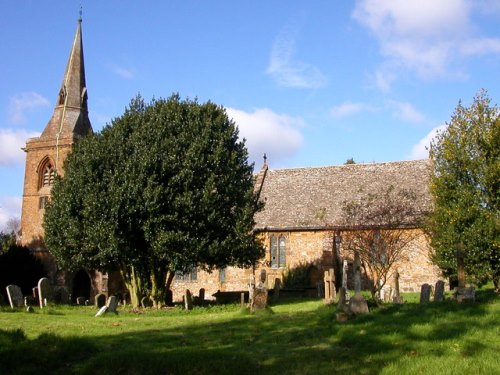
(294, 336)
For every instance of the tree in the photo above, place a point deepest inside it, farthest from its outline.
(165, 187)
(465, 189)
(380, 228)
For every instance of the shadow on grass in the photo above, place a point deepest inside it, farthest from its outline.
(303, 342)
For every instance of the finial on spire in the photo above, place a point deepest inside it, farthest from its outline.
(265, 158)
(81, 11)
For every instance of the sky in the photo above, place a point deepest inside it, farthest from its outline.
(309, 83)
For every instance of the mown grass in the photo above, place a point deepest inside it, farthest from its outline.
(293, 337)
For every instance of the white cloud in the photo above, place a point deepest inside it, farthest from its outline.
(425, 37)
(125, 73)
(21, 103)
(405, 112)
(421, 149)
(10, 208)
(12, 141)
(346, 109)
(277, 135)
(288, 71)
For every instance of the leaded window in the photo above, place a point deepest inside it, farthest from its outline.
(190, 275)
(278, 251)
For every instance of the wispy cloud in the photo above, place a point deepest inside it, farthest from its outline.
(10, 208)
(421, 149)
(22, 103)
(426, 37)
(122, 72)
(12, 141)
(405, 112)
(347, 109)
(277, 135)
(289, 71)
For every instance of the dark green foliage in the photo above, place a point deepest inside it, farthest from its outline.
(465, 187)
(165, 186)
(18, 266)
(298, 276)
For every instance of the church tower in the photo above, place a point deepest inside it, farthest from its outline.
(45, 154)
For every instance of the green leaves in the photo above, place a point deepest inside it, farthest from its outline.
(465, 187)
(167, 182)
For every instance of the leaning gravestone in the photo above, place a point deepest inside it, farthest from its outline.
(112, 304)
(15, 296)
(439, 291)
(100, 300)
(101, 311)
(425, 293)
(44, 291)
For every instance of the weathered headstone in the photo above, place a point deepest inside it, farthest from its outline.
(101, 311)
(100, 300)
(262, 278)
(44, 291)
(345, 268)
(277, 287)
(188, 300)
(439, 291)
(242, 299)
(146, 302)
(15, 296)
(201, 295)
(465, 294)
(396, 296)
(35, 293)
(80, 301)
(251, 287)
(112, 304)
(342, 304)
(329, 280)
(425, 293)
(259, 300)
(357, 303)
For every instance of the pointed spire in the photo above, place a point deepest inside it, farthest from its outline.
(70, 118)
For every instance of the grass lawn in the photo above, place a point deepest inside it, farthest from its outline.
(293, 337)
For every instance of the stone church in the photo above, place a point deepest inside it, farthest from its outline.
(299, 226)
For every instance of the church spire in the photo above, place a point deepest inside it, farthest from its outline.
(70, 118)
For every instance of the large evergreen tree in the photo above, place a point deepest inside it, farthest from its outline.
(165, 187)
(465, 188)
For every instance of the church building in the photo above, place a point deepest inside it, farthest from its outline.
(300, 224)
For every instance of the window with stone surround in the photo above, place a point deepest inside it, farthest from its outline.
(191, 275)
(47, 173)
(42, 202)
(278, 251)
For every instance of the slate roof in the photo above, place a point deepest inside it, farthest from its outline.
(312, 198)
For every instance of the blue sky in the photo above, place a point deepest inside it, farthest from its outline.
(309, 83)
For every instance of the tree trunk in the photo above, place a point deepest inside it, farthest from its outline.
(134, 285)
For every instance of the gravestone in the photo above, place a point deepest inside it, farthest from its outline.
(188, 300)
(357, 303)
(262, 278)
(100, 300)
(259, 300)
(44, 291)
(396, 296)
(112, 304)
(425, 293)
(465, 294)
(146, 302)
(101, 311)
(15, 296)
(345, 268)
(329, 280)
(242, 299)
(29, 309)
(342, 304)
(35, 293)
(201, 295)
(277, 287)
(251, 288)
(439, 291)
(80, 301)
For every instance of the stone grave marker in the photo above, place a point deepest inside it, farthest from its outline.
(439, 291)
(329, 280)
(201, 295)
(259, 300)
(15, 296)
(357, 303)
(100, 300)
(112, 304)
(465, 294)
(188, 300)
(425, 293)
(277, 287)
(101, 311)
(80, 301)
(262, 278)
(251, 288)
(44, 291)
(396, 296)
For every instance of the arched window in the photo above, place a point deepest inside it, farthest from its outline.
(46, 173)
(278, 251)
